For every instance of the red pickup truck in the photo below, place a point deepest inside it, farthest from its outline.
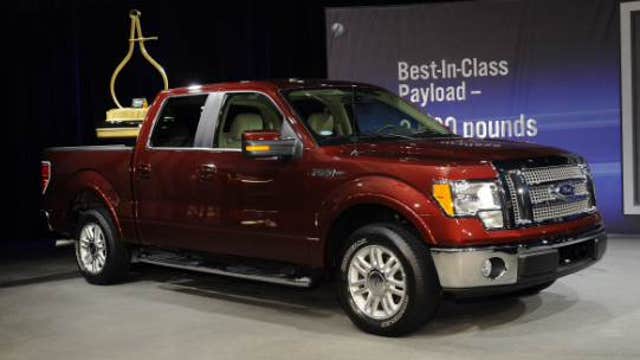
(292, 181)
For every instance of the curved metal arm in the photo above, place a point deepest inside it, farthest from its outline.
(136, 30)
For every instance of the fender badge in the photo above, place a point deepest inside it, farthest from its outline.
(326, 173)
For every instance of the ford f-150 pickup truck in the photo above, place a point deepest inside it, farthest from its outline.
(294, 181)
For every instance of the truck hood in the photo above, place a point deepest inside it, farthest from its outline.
(456, 150)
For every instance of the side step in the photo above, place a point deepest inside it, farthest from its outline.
(183, 262)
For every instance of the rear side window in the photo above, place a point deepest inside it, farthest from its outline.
(178, 122)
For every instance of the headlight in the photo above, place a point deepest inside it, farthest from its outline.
(586, 170)
(464, 198)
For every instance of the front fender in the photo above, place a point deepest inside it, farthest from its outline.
(413, 204)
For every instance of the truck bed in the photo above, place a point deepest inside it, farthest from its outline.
(89, 168)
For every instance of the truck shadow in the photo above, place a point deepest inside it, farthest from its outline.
(456, 316)
(318, 310)
(36, 266)
(315, 302)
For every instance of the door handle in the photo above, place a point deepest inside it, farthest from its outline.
(144, 171)
(207, 171)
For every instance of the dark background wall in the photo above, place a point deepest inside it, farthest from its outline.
(59, 57)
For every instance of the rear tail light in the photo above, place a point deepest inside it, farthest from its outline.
(45, 174)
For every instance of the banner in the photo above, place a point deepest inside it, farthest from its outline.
(630, 78)
(540, 71)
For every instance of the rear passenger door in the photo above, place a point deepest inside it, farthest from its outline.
(177, 192)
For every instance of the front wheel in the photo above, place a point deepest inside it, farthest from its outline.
(102, 258)
(387, 281)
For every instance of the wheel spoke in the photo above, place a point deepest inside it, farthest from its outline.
(388, 264)
(393, 269)
(358, 267)
(86, 259)
(368, 306)
(360, 291)
(84, 235)
(379, 260)
(372, 256)
(387, 305)
(394, 291)
(101, 262)
(365, 265)
(396, 283)
(376, 304)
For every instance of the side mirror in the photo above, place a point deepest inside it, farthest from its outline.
(263, 144)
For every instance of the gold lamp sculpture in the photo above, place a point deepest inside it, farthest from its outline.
(124, 122)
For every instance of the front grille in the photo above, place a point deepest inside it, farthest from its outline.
(541, 194)
(548, 174)
(561, 210)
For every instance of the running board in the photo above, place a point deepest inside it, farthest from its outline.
(240, 272)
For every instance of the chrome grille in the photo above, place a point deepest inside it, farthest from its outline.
(541, 193)
(513, 198)
(549, 174)
(543, 213)
(535, 194)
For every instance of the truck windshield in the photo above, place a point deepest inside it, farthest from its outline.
(341, 115)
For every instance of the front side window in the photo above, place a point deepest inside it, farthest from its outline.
(243, 112)
(339, 115)
(178, 122)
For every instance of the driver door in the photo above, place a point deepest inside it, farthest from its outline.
(257, 219)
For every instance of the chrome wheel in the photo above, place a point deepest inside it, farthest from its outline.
(377, 282)
(92, 248)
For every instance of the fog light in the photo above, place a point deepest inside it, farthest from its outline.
(491, 219)
(493, 268)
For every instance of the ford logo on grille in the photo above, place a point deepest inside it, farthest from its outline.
(563, 190)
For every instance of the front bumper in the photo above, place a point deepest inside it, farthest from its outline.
(524, 265)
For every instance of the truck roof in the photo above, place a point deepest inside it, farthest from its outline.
(276, 84)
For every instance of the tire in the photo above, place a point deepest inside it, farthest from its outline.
(534, 289)
(401, 314)
(101, 257)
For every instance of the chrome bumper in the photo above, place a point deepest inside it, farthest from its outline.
(544, 260)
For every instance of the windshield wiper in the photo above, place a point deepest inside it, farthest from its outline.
(386, 135)
(430, 134)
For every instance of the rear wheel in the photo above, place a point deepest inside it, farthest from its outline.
(101, 257)
(387, 282)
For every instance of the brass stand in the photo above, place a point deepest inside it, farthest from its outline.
(125, 121)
